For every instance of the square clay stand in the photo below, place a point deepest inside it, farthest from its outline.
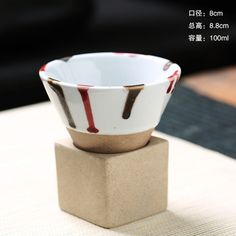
(110, 190)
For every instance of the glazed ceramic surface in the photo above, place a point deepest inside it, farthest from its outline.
(110, 93)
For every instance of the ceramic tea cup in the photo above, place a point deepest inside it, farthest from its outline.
(110, 102)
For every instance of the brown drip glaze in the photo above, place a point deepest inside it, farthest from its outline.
(65, 59)
(60, 94)
(167, 65)
(134, 91)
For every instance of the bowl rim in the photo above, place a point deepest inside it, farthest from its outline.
(44, 77)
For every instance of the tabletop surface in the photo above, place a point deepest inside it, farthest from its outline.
(202, 189)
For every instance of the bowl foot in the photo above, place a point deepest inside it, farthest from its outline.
(109, 143)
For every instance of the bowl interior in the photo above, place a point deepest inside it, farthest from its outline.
(108, 69)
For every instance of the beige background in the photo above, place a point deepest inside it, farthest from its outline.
(202, 185)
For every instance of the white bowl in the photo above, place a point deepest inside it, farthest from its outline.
(110, 96)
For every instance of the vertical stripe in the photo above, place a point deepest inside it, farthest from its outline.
(87, 107)
(133, 92)
(55, 86)
(172, 78)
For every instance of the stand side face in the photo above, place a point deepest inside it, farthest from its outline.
(81, 182)
(112, 189)
(137, 183)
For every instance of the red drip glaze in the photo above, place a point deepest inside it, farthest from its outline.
(132, 55)
(172, 79)
(83, 89)
(42, 68)
(170, 86)
(126, 53)
(175, 74)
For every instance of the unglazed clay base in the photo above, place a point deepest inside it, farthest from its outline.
(109, 143)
